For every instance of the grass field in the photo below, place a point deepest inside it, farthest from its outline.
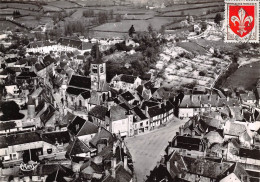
(63, 4)
(246, 76)
(19, 6)
(50, 8)
(178, 7)
(196, 12)
(23, 12)
(30, 21)
(6, 25)
(140, 25)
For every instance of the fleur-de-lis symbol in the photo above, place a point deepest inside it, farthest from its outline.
(241, 20)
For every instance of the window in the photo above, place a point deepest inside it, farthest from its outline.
(141, 124)
(101, 69)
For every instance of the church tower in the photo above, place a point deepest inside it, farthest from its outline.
(97, 72)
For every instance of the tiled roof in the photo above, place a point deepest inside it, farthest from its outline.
(103, 134)
(148, 85)
(11, 60)
(122, 175)
(139, 113)
(87, 129)
(177, 164)
(21, 138)
(80, 82)
(206, 168)
(127, 78)
(96, 168)
(117, 113)
(99, 112)
(234, 129)
(214, 137)
(248, 96)
(48, 60)
(148, 104)
(95, 98)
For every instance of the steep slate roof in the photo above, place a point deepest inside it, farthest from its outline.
(99, 112)
(47, 114)
(86, 94)
(77, 147)
(75, 91)
(127, 96)
(21, 138)
(248, 153)
(26, 75)
(139, 113)
(82, 82)
(76, 124)
(96, 168)
(127, 78)
(188, 143)
(87, 129)
(48, 60)
(62, 136)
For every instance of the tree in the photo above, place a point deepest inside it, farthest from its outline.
(94, 50)
(118, 18)
(218, 18)
(150, 28)
(10, 111)
(131, 31)
(162, 30)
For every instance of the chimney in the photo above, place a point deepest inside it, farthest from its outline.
(146, 110)
(113, 172)
(114, 148)
(181, 130)
(227, 98)
(192, 133)
(113, 162)
(168, 166)
(125, 162)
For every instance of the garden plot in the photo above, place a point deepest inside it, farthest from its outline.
(47, 8)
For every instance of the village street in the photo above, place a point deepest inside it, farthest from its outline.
(146, 149)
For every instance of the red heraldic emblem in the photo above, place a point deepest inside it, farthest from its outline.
(241, 19)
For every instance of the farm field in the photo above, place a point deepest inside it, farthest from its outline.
(63, 4)
(245, 76)
(95, 2)
(140, 25)
(30, 21)
(179, 7)
(6, 25)
(51, 8)
(19, 6)
(195, 12)
(23, 12)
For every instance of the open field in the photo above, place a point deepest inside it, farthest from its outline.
(95, 2)
(196, 12)
(30, 21)
(245, 76)
(19, 6)
(51, 8)
(63, 4)
(6, 25)
(9, 11)
(140, 25)
(180, 7)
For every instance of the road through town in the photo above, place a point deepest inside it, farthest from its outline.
(146, 149)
